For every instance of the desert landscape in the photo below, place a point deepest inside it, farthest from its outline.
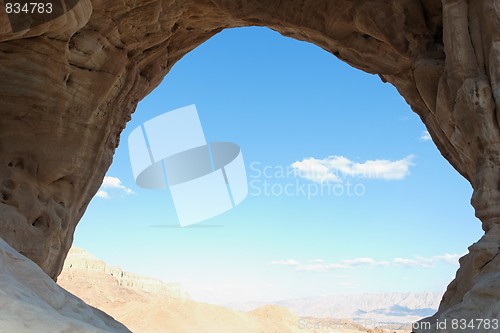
(148, 305)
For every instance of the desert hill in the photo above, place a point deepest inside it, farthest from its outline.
(147, 305)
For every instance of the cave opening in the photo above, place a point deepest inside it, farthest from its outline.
(291, 105)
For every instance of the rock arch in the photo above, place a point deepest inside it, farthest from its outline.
(70, 85)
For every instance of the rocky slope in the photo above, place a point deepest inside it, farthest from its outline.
(83, 271)
(30, 301)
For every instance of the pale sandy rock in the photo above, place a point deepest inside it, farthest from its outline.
(474, 295)
(68, 91)
(84, 271)
(30, 301)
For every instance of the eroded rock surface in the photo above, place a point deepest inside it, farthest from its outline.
(68, 90)
(91, 278)
(31, 301)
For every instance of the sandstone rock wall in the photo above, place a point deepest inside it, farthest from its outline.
(69, 86)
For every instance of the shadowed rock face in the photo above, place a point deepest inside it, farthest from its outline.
(69, 87)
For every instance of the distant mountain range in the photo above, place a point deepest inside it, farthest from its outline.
(381, 308)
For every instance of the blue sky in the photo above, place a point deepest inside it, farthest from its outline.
(290, 104)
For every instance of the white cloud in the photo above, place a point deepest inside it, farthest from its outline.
(426, 136)
(320, 265)
(417, 262)
(333, 168)
(115, 183)
(449, 258)
(318, 261)
(289, 262)
(315, 170)
(102, 194)
(112, 183)
(358, 262)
